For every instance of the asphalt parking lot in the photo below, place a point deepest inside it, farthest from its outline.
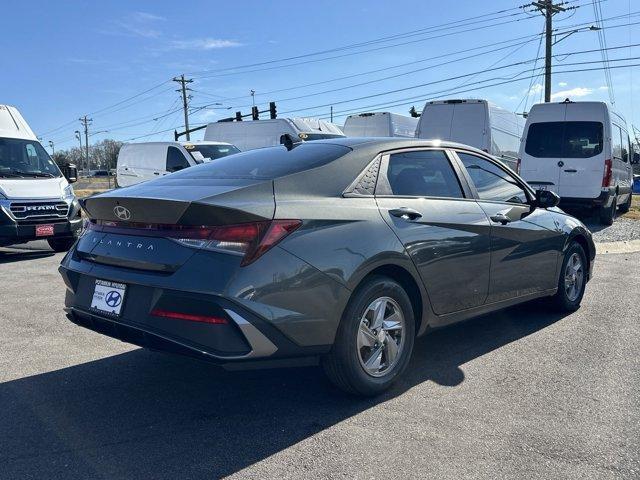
(525, 393)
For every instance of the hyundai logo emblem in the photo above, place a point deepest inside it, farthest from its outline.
(113, 299)
(122, 213)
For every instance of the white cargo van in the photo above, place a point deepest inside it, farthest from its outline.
(248, 135)
(581, 151)
(139, 162)
(380, 124)
(36, 200)
(477, 123)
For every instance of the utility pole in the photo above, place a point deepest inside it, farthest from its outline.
(548, 9)
(86, 122)
(331, 113)
(185, 104)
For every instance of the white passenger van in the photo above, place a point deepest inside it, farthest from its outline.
(581, 151)
(36, 200)
(139, 162)
(380, 124)
(248, 135)
(477, 123)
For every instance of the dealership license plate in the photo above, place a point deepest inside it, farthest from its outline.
(108, 296)
(44, 230)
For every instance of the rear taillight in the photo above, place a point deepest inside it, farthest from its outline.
(606, 176)
(518, 163)
(251, 240)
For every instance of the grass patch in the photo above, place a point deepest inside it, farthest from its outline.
(634, 213)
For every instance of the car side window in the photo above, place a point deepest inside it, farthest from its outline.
(492, 182)
(175, 160)
(426, 173)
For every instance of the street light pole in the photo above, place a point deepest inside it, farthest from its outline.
(53, 150)
(79, 137)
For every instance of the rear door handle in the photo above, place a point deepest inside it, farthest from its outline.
(405, 213)
(156, 173)
(571, 170)
(500, 218)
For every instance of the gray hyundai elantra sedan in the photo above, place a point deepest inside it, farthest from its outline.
(341, 250)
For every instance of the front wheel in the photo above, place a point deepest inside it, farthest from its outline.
(573, 279)
(375, 339)
(61, 244)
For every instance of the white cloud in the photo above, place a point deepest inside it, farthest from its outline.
(603, 87)
(574, 92)
(203, 44)
(535, 89)
(562, 84)
(139, 24)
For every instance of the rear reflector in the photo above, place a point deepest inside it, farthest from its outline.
(158, 312)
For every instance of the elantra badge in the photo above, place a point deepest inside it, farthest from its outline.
(122, 213)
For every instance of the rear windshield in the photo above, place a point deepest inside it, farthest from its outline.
(267, 163)
(564, 139)
(206, 153)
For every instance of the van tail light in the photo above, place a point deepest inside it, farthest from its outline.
(251, 240)
(518, 163)
(606, 176)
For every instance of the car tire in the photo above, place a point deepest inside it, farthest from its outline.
(363, 360)
(61, 244)
(574, 270)
(626, 206)
(608, 214)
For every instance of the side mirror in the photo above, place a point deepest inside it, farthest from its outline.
(70, 172)
(636, 158)
(546, 199)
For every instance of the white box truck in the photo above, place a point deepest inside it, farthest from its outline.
(36, 200)
(474, 122)
(380, 124)
(247, 135)
(582, 152)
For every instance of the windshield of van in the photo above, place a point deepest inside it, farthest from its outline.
(267, 163)
(564, 139)
(25, 159)
(206, 153)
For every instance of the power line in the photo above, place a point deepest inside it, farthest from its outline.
(452, 24)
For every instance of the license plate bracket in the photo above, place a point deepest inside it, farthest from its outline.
(108, 297)
(45, 230)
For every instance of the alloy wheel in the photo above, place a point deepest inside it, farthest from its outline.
(573, 277)
(380, 338)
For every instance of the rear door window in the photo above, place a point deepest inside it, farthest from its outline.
(425, 173)
(176, 160)
(564, 139)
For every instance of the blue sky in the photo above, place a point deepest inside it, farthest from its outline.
(66, 58)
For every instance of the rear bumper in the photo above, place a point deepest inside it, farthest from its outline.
(266, 326)
(603, 200)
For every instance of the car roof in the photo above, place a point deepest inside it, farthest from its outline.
(390, 143)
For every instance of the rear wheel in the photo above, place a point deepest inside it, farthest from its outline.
(573, 279)
(61, 244)
(626, 206)
(374, 340)
(607, 214)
